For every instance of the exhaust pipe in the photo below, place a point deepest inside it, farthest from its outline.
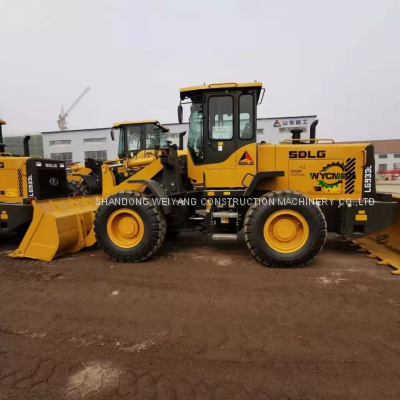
(2, 145)
(312, 131)
(26, 146)
(181, 135)
(296, 135)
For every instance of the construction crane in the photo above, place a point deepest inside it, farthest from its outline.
(62, 118)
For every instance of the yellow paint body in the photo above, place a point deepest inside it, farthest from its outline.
(13, 179)
(109, 183)
(300, 174)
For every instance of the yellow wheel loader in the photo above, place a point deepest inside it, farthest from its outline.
(137, 140)
(34, 200)
(284, 198)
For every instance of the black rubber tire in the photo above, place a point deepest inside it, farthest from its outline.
(154, 227)
(78, 188)
(255, 220)
(171, 235)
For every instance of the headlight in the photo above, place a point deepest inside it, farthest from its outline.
(38, 163)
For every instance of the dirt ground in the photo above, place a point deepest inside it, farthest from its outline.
(202, 321)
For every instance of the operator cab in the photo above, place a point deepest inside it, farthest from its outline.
(222, 130)
(137, 136)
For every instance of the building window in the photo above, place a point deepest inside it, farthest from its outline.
(285, 130)
(67, 157)
(99, 155)
(382, 156)
(59, 142)
(95, 140)
(382, 167)
(396, 155)
(260, 131)
(396, 165)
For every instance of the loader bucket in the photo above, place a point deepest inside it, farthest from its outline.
(385, 244)
(59, 226)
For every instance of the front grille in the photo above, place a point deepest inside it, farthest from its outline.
(20, 184)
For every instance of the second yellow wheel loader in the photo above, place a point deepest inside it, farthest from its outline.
(285, 197)
(34, 200)
(136, 139)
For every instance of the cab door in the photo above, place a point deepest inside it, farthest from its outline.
(230, 138)
(219, 140)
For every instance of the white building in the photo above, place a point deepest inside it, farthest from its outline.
(76, 145)
(387, 154)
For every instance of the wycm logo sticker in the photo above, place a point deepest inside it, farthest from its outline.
(331, 177)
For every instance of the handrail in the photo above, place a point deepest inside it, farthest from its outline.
(244, 178)
(306, 139)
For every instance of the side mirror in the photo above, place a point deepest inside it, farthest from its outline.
(112, 135)
(180, 113)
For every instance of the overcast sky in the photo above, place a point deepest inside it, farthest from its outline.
(337, 59)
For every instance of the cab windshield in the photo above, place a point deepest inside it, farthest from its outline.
(133, 137)
(156, 139)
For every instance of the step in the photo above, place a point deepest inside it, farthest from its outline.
(224, 236)
(225, 214)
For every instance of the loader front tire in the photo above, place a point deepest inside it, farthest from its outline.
(284, 229)
(129, 227)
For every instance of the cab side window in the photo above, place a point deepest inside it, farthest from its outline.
(246, 117)
(195, 139)
(121, 142)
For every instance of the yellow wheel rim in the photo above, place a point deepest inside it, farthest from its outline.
(286, 231)
(125, 228)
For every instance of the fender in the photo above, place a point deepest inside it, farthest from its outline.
(258, 177)
(156, 190)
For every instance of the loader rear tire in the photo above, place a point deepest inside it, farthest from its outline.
(129, 228)
(284, 236)
(78, 188)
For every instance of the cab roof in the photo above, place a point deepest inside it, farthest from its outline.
(152, 121)
(191, 90)
(2, 122)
